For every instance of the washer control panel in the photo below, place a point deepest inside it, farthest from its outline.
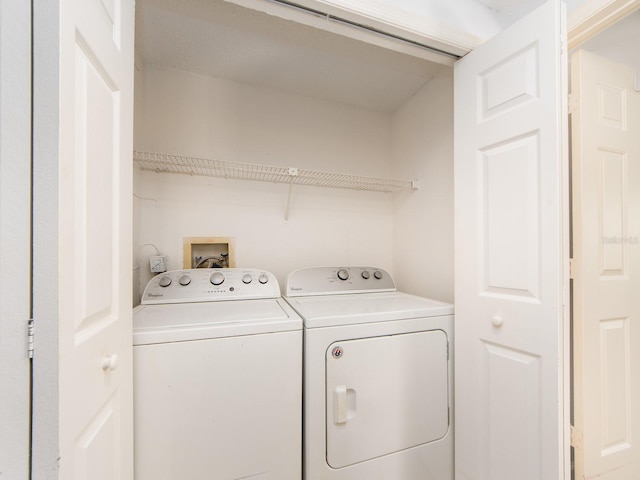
(337, 280)
(210, 285)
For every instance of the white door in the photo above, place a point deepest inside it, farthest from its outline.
(95, 155)
(15, 236)
(606, 277)
(511, 230)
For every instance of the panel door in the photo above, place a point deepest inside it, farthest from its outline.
(95, 359)
(606, 252)
(385, 394)
(511, 230)
(15, 236)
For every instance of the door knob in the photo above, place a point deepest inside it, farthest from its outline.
(110, 362)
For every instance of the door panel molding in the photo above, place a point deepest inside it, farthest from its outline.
(511, 266)
(606, 252)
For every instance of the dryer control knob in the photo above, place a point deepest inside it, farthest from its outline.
(184, 280)
(377, 274)
(343, 274)
(246, 278)
(217, 278)
(366, 275)
(164, 281)
(263, 278)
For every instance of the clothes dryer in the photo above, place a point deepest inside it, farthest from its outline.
(217, 378)
(378, 386)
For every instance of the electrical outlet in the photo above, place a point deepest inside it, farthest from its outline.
(158, 263)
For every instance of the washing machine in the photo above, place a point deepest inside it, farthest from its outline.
(217, 378)
(378, 377)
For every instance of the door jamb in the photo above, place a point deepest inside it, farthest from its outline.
(595, 16)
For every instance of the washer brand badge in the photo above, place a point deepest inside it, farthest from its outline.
(337, 352)
(155, 295)
(296, 289)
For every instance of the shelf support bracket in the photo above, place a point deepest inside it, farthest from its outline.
(292, 172)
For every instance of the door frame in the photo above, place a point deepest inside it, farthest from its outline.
(594, 16)
(15, 235)
(46, 108)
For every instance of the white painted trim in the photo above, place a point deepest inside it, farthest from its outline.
(397, 21)
(15, 226)
(594, 16)
(45, 450)
(427, 33)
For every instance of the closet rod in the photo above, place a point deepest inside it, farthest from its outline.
(368, 28)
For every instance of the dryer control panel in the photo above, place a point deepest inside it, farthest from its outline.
(209, 285)
(337, 280)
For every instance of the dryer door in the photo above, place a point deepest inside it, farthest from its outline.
(385, 394)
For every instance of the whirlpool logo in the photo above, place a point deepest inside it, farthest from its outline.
(155, 295)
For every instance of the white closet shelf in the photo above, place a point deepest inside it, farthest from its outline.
(162, 162)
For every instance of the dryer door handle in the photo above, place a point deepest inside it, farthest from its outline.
(344, 404)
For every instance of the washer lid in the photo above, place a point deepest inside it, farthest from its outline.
(332, 310)
(198, 321)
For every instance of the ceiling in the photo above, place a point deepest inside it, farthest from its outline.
(222, 39)
(480, 18)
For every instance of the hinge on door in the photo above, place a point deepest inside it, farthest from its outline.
(571, 269)
(577, 439)
(30, 347)
(573, 103)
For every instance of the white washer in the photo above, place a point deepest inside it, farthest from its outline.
(217, 378)
(378, 377)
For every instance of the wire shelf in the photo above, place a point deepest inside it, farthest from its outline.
(162, 162)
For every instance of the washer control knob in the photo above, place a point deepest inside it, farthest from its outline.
(217, 278)
(164, 281)
(366, 275)
(343, 274)
(263, 278)
(246, 278)
(184, 280)
(377, 274)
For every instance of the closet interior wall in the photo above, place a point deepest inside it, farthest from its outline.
(409, 233)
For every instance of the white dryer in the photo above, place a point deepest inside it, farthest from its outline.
(217, 378)
(378, 386)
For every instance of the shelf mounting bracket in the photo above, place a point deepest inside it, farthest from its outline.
(292, 172)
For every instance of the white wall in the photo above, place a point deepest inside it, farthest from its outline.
(619, 42)
(138, 125)
(190, 114)
(422, 132)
